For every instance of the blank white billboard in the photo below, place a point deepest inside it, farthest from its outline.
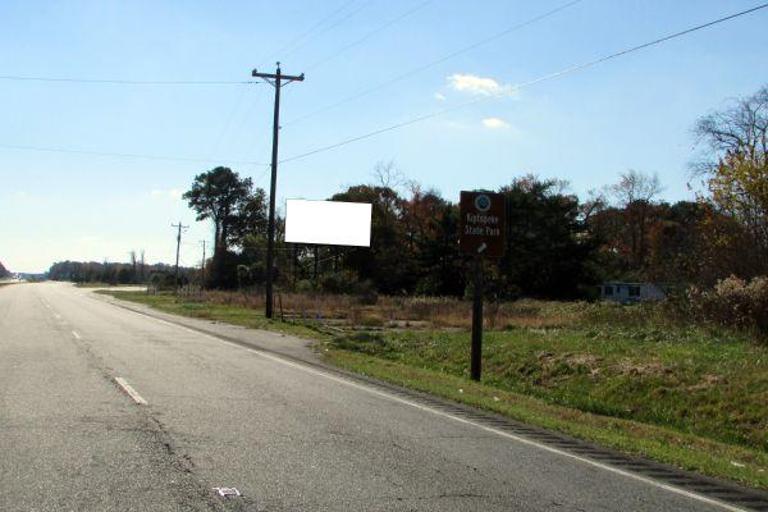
(328, 223)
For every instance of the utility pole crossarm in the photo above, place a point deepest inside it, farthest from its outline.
(274, 76)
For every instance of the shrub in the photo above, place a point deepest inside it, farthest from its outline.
(366, 293)
(371, 320)
(339, 282)
(162, 281)
(734, 302)
(304, 286)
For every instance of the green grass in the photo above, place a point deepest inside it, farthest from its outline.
(748, 466)
(622, 377)
(690, 389)
(709, 387)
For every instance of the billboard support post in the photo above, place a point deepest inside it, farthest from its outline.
(477, 320)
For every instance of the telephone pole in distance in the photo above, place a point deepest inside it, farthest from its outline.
(180, 226)
(202, 267)
(277, 80)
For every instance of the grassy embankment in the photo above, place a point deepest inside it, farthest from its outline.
(221, 312)
(624, 377)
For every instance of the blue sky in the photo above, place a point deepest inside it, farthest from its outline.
(633, 112)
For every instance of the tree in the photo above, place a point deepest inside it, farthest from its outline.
(387, 175)
(431, 227)
(386, 263)
(634, 194)
(737, 169)
(549, 250)
(739, 129)
(221, 195)
(216, 195)
(249, 219)
(676, 252)
(739, 187)
(4, 272)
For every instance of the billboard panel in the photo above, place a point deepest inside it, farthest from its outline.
(328, 223)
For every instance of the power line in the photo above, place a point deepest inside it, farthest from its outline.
(123, 155)
(267, 168)
(433, 63)
(229, 120)
(327, 29)
(550, 76)
(370, 34)
(308, 33)
(113, 81)
(566, 71)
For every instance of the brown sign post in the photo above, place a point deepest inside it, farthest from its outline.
(482, 234)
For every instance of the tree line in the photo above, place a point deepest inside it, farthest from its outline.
(136, 271)
(559, 246)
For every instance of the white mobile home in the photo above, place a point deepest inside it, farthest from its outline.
(623, 292)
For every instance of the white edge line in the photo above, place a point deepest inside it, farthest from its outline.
(130, 391)
(522, 440)
(77, 336)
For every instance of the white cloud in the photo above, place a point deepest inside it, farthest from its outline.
(172, 193)
(495, 123)
(440, 97)
(478, 85)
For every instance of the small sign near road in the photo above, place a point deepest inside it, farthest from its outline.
(482, 224)
(482, 234)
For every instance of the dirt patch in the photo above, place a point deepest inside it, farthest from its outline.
(708, 381)
(650, 369)
(559, 366)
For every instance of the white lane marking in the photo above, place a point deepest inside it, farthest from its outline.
(130, 391)
(522, 440)
(77, 336)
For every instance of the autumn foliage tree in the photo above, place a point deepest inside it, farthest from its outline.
(737, 176)
(431, 226)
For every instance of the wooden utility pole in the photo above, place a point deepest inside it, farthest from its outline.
(277, 80)
(202, 267)
(316, 257)
(180, 226)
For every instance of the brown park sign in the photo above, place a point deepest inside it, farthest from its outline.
(482, 224)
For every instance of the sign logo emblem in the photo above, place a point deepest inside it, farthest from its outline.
(483, 203)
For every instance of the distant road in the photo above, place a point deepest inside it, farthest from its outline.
(102, 409)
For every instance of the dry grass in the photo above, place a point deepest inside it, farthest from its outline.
(403, 312)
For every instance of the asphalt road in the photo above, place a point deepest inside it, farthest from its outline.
(287, 436)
